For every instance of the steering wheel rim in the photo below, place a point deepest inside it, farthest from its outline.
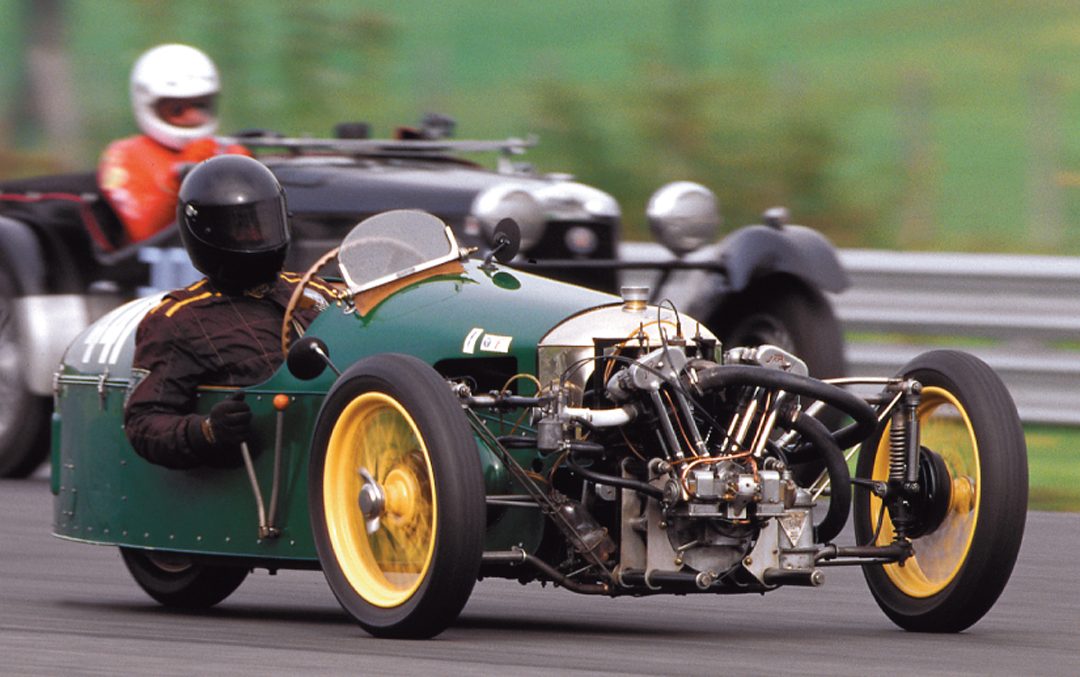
(294, 299)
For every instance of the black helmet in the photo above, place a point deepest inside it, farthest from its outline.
(233, 221)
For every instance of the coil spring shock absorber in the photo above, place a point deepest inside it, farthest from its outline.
(904, 457)
(898, 446)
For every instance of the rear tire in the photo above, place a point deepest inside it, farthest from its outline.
(963, 562)
(178, 583)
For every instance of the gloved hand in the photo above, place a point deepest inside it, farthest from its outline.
(229, 422)
(214, 440)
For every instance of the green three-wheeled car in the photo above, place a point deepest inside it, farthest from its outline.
(449, 419)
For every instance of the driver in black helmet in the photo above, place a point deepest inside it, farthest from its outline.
(224, 330)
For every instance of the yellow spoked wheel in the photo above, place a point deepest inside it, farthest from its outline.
(969, 516)
(396, 497)
(946, 430)
(379, 499)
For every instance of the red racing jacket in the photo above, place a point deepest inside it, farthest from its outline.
(140, 179)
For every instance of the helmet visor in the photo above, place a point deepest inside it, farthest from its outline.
(186, 113)
(251, 227)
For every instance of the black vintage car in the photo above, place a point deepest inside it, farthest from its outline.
(61, 266)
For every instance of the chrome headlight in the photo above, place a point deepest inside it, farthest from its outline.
(567, 200)
(513, 201)
(683, 216)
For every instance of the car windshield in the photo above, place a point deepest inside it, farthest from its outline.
(393, 245)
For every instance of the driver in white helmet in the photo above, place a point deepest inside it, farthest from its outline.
(173, 93)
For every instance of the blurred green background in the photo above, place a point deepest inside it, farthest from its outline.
(913, 124)
(900, 124)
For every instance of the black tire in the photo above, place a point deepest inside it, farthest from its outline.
(178, 583)
(962, 563)
(24, 417)
(786, 313)
(411, 576)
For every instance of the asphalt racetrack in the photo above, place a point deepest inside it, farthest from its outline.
(72, 609)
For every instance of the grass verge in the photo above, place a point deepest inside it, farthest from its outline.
(1053, 467)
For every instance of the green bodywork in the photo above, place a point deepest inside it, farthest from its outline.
(106, 494)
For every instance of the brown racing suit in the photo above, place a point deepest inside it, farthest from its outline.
(201, 335)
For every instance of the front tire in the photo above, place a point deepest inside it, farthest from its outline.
(178, 583)
(961, 565)
(396, 498)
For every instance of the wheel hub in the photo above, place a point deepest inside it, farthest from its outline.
(937, 494)
(371, 500)
(401, 489)
(963, 495)
(395, 498)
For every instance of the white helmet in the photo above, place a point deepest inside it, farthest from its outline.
(173, 72)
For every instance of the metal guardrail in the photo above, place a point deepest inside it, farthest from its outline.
(1021, 314)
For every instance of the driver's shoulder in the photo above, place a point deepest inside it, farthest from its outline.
(317, 290)
(176, 300)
